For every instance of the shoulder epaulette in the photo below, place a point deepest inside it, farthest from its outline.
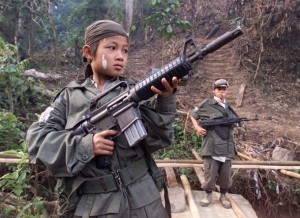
(203, 102)
(72, 84)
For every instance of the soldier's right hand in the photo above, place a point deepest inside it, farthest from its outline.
(102, 145)
(201, 131)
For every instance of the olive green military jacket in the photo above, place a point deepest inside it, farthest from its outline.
(50, 141)
(213, 144)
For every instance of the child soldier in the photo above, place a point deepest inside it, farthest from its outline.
(217, 150)
(125, 187)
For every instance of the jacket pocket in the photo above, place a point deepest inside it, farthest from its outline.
(220, 146)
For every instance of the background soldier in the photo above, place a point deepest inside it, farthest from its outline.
(218, 147)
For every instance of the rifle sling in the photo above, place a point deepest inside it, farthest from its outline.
(221, 133)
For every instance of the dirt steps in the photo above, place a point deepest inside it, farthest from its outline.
(223, 63)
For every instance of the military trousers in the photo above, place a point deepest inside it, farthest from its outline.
(216, 173)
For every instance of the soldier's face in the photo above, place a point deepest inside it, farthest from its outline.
(111, 57)
(220, 92)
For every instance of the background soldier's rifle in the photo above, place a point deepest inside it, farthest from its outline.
(225, 121)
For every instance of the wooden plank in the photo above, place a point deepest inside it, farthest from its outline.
(244, 205)
(235, 207)
(171, 177)
(188, 192)
(214, 209)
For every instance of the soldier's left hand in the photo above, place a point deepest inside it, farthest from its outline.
(169, 88)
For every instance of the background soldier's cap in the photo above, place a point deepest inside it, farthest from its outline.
(221, 83)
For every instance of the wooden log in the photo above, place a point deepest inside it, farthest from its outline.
(41, 76)
(247, 157)
(200, 174)
(239, 97)
(188, 192)
(171, 177)
(289, 173)
(197, 156)
(45, 91)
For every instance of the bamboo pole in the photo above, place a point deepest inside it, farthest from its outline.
(9, 160)
(188, 192)
(235, 162)
(250, 166)
(291, 174)
(285, 172)
(10, 156)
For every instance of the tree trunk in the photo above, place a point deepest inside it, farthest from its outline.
(129, 14)
(54, 35)
(10, 95)
(19, 33)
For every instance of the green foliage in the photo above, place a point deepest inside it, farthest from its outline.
(181, 146)
(271, 185)
(17, 182)
(11, 130)
(72, 17)
(164, 18)
(18, 90)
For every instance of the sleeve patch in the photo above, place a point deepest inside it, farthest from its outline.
(45, 115)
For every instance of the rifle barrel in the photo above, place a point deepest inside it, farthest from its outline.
(222, 40)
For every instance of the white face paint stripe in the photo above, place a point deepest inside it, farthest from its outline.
(104, 62)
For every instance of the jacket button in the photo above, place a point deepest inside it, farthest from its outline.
(85, 157)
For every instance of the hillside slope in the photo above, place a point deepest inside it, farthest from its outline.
(278, 123)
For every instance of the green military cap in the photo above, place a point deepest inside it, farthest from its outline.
(221, 83)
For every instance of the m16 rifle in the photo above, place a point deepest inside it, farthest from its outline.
(121, 112)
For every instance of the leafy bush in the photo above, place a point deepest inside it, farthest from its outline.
(15, 90)
(181, 148)
(11, 131)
